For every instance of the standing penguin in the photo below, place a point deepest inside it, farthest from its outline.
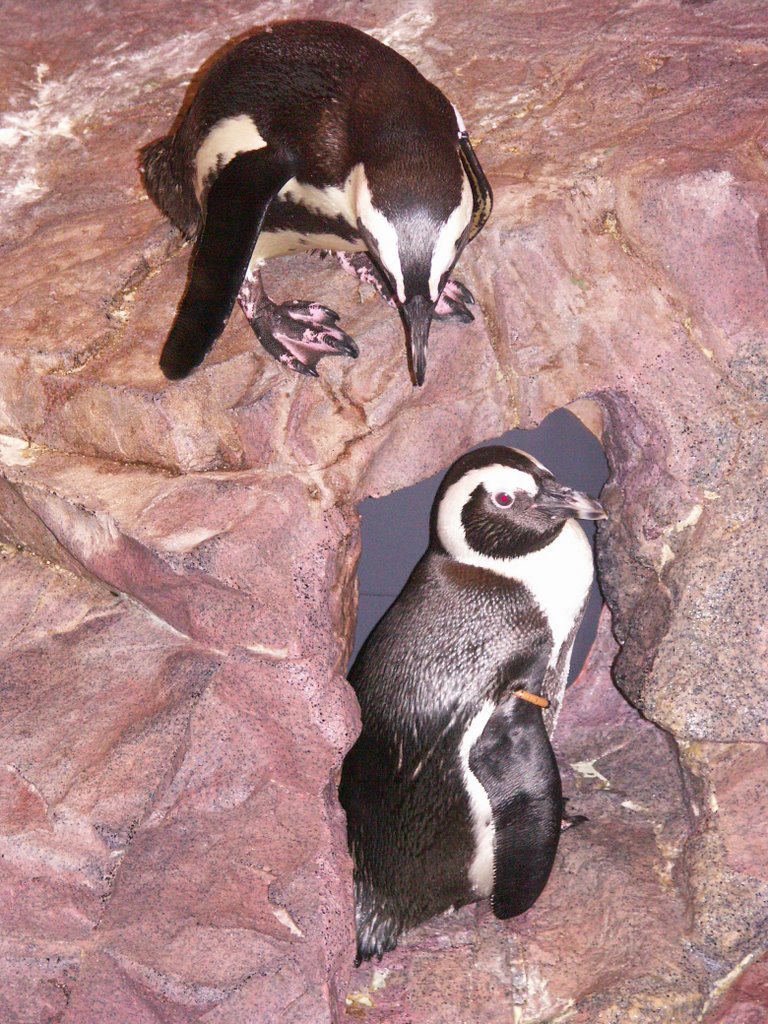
(452, 791)
(313, 135)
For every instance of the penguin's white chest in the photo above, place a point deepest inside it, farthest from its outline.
(558, 577)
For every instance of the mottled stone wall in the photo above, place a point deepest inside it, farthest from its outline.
(178, 560)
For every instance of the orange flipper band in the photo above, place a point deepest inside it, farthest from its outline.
(532, 698)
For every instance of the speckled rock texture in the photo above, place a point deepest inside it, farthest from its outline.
(177, 568)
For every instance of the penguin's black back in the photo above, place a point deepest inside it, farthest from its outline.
(420, 678)
(328, 96)
(441, 642)
(299, 76)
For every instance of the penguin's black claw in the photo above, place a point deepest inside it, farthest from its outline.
(453, 303)
(295, 364)
(298, 334)
(313, 310)
(568, 820)
(377, 949)
(572, 822)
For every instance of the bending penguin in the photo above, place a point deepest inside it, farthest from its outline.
(313, 135)
(452, 791)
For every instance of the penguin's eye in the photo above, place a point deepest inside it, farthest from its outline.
(502, 499)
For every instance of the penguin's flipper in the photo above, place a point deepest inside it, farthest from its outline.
(482, 197)
(513, 761)
(236, 204)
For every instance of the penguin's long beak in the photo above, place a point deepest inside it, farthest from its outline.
(417, 315)
(556, 500)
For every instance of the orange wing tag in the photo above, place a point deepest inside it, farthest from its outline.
(532, 698)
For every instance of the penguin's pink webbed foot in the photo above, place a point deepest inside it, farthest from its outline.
(296, 334)
(454, 303)
(363, 267)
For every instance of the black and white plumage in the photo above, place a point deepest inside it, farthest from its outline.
(313, 135)
(452, 791)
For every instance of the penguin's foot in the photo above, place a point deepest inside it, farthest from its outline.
(454, 303)
(297, 334)
(362, 266)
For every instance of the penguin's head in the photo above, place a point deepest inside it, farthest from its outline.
(415, 221)
(501, 503)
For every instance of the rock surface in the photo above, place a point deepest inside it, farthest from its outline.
(178, 568)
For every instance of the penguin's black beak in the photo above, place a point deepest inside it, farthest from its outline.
(556, 500)
(417, 315)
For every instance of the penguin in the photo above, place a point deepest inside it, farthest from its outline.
(312, 135)
(452, 791)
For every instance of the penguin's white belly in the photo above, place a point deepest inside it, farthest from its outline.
(285, 243)
(326, 204)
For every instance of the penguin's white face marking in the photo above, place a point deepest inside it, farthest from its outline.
(558, 576)
(497, 480)
(481, 868)
(388, 242)
(531, 458)
(446, 246)
(224, 141)
(382, 231)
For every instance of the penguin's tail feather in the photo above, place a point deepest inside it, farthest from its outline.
(377, 930)
(167, 189)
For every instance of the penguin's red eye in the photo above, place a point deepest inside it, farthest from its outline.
(502, 499)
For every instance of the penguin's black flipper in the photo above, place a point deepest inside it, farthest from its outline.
(482, 196)
(513, 761)
(236, 204)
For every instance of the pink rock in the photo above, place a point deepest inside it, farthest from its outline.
(21, 806)
(745, 1001)
(178, 576)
